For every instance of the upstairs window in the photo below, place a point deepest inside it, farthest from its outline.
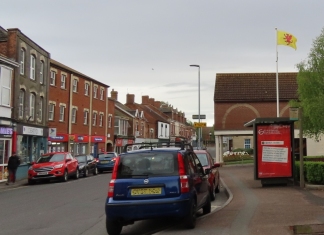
(86, 89)
(109, 121)
(22, 61)
(74, 111)
(94, 119)
(51, 112)
(21, 103)
(95, 90)
(5, 86)
(75, 85)
(32, 101)
(63, 78)
(85, 117)
(62, 108)
(102, 94)
(40, 113)
(52, 78)
(32, 67)
(41, 73)
(100, 119)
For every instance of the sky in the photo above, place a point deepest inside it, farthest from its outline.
(146, 47)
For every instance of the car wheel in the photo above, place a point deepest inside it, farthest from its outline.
(207, 207)
(212, 192)
(77, 174)
(95, 172)
(217, 189)
(99, 171)
(113, 227)
(190, 220)
(31, 182)
(86, 172)
(65, 176)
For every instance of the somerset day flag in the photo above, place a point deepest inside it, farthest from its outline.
(286, 39)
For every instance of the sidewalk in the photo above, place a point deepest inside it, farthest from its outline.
(17, 184)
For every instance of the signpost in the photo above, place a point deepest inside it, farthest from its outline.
(196, 116)
(200, 124)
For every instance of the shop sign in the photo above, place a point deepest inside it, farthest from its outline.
(98, 139)
(57, 137)
(27, 130)
(6, 131)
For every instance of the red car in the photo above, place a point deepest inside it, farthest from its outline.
(213, 177)
(60, 165)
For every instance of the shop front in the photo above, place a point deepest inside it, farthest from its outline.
(80, 144)
(97, 144)
(120, 143)
(58, 143)
(5, 150)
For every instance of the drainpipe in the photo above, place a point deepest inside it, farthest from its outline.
(69, 114)
(90, 117)
(106, 120)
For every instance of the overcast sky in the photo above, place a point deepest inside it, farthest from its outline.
(145, 47)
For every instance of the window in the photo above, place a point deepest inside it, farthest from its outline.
(121, 126)
(5, 86)
(62, 108)
(247, 143)
(109, 121)
(86, 89)
(100, 119)
(32, 67)
(101, 94)
(85, 115)
(41, 72)
(74, 110)
(95, 89)
(75, 85)
(52, 79)
(22, 61)
(63, 78)
(40, 114)
(94, 119)
(21, 103)
(32, 101)
(51, 112)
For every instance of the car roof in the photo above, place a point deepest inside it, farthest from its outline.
(200, 151)
(46, 154)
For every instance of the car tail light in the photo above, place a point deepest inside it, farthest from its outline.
(113, 179)
(184, 182)
(97, 159)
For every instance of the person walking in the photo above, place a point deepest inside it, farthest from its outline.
(13, 163)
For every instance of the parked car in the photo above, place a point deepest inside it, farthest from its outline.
(87, 164)
(106, 161)
(213, 177)
(156, 182)
(59, 165)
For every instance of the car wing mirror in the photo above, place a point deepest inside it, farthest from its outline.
(207, 171)
(217, 165)
(67, 160)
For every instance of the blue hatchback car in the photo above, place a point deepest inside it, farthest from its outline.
(156, 181)
(106, 161)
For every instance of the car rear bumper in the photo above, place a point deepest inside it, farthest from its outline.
(146, 209)
(105, 167)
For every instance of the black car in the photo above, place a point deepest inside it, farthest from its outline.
(87, 164)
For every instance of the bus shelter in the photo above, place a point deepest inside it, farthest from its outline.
(273, 149)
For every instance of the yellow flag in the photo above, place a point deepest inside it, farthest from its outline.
(286, 39)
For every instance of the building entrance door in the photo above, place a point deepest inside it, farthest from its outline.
(5, 151)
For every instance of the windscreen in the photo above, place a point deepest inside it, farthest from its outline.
(202, 158)
(51, 158)
(145, 164)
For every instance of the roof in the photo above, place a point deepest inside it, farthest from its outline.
(253, 87)
(274, 120)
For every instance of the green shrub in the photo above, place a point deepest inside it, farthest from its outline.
(313, 172)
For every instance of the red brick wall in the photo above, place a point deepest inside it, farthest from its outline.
(233, 116)
(99, 106)
(12, 45)
(3, 48)
(111, 110)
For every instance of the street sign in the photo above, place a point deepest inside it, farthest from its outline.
(199, 124)
(52, 132)
(196, 116)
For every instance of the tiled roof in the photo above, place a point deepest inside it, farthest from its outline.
(251, 87)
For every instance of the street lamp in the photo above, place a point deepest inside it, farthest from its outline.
(199, 128)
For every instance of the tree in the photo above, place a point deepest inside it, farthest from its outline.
(310, 80)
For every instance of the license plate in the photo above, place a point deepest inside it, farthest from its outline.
(104, 162)
(145, 191)
(42, 173)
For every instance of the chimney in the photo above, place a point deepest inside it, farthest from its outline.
(151, 101)
(114, 95)
(157, 104)
(130, 99)
(145, 99)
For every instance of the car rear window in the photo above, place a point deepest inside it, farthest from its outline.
(81, 158)
(147, 164)
(202, 158)
(103, 156)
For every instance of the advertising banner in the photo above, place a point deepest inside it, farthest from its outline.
(274, 158)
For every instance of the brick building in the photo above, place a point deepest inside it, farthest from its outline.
(78, 109)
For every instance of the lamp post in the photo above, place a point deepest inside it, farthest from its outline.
(199, 128)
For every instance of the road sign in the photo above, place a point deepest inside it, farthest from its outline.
(199, 124)
(196, 116)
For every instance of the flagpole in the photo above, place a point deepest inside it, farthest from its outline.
(277, 83)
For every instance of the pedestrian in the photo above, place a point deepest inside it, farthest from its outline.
(13, 163)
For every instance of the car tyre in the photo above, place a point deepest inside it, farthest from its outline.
(77, 174)
(65, 176)
(212, 192)
(113, 227)
(86, 172)
(207, 206)
(95, 172)
(99, 171)
(190, 219)
(217, 189)
(31, 182)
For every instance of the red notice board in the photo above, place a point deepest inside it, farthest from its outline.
(274, 155)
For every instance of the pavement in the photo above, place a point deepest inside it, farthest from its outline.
(17, 184)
